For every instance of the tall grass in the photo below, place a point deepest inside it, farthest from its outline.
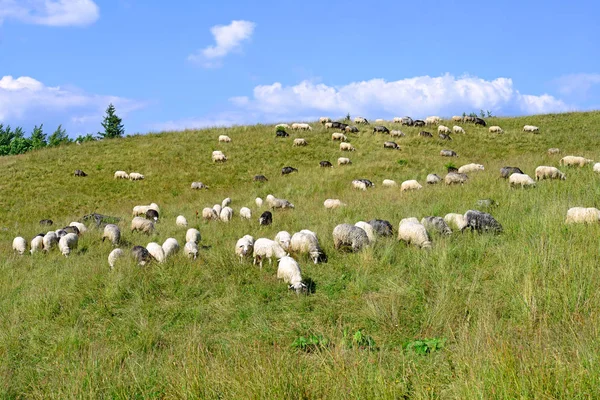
(520, 311)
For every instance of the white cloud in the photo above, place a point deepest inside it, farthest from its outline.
(50, 12)
(228, 38)
(577, 84)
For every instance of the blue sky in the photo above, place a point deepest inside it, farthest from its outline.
(192, 64)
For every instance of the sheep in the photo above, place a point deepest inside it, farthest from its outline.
(582, 215)
(444, 136)
(282, 134)
(260, 178)
(142, 225)
(68, 243)
(408, 121)
(596, 168)
(457, 118)
(181, 221)
(425, 134)
(455, 177)
(361, 184)
(136, 176)
(346, 235)
(433, 179)
(351, 129)
(436, 224)
(480, 121)
(418, 122)
(344, 161)
(410, 185)
(448, 153)
(121, 175)
(288, 170)
(274, 202)
(397, 133)
(574, 160)
(521, 179)
(152, 215)
(545, 172)
(226, 201)
(302, 127)
(531, 128)
(283, 238)
(245, 213)
(226, 214)
(380, 128)
(306, 242)
(397, 120)
(224, 139)
(218, 208)
(265, 218)
(333, 203)
(198, 185)
(465, 169)
(495, 129)
(324, 120)
(344, 146)
(209, 214)
(413, 232)
(141, 255)
(49, 241)
(170, 246)
(486, 203)
(443, 129)
(80, 173)
(258, 201)
(379, 120)
(300, 142)
(191, 250)
(19, 245)
(282, 126)
(389, 183)
(468, 118)
(382, 227)
(338, 136)
(553, 151)
(113, 256)
(37, 243)
(46, 222)
(365, 226)
(267, 248)
(457, 221)
(193, 235)
(141, 210)
(432, 120)
(60, 233)
(391, 145)
(482, 222)
(325, 164)
(458, 129)
(112, 233)
(244, 247)
(156, 251)
(218, 156)
(505, 172)
(328, 125)
(289, 271)
(360, 120)
(80, 227)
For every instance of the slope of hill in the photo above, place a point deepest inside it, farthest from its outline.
(519, 312)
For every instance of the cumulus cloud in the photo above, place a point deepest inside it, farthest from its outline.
(50, 12)
(577, 84)
(228, 38)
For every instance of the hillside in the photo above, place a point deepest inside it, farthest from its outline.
(519, 312)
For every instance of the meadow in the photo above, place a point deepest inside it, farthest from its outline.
(506, 316)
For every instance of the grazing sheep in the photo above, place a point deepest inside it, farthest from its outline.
(325, 164)
(521, 179)
(455, 177)
(397, 133)
(50, 240)
(267, 248)
(495, 129)
(583, 215)
(448, 153)
(121, 175)
(482, 222)
(339, 125)
(152, 215)
(19, 245)
(259, 202)
(443, 129)
(68, 243)
(274, 202)
(379, 120)
(217, 208)
(360, 120)
(328, 125)
(142, 225)
(283, 238)
(338, 136)
(301, 127)
(480, 121)
(114, 256)
(419, 122)
(198, 185)
(344, 146)
(191, 250)
(457, 221)
(46, 222)
(141, 255)
(397, 120)
(60, 233)
(282, 126)
(413, 232)
(365, 226)
(80, 227)
(265, 218)
(467, 118)
(226, 201)
(224, 138)
(432, 120)
(444, 136)
(409, 121)
(465, 169)
(193, 235)
(156, 251)
(244, 247)
(391, 145)
(425, 134)
(136, 176)
(324, 120)
(382, 227)
(351, 129)
(380, 128)
(574, 160)
(410, 185)
(362, 184)
(288, 170)
(433, 179)
(282, 134)
(112, 233)
(531, 128)
(436, 224)
(344, 161)
(260, 178)
(346, 235)
(553, 151)
(209, 214)
(458, 129)
(181, 221)
(37, 243)
(505, 172)
(457, 118)
(170, 246)
(300, 142)
(245, 213)
(596, 168)
(389, 183)
(333, 203)
(545, 172)
(142, 210)
(218, 156)
(487, 203)
(80, 173)
(226, 214)
(289, 271)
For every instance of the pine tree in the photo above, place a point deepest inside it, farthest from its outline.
(38, 137)
(112, 124)
(58, 137)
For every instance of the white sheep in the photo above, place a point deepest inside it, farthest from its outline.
(80, 227)
(259, 202)
(245, 213)
(289, 271)
(546, 172)
(193, 235)
(301, 127)
(306, 242)
(113, 256)
(50, 240)
(443, 129)
(170, 246)
(389, 183)
(338, 136)
(345, 146)
(465, 169)
(218, 156)
(181, 221)
(553, 151)
(412, 231)
(224, 139)
(324, 120)
(191, 250)
(217, 208)
(574, 160)
(582, 215)
(397, 120)
(523, 180)
(121, 175)
(37, 244)
(274, 202)
(226, 214)
(68, 243)
(299, 142)
(457, 129)
(530, 128)
(244, 246)
(433, 179)
(410, 185)
(379, 120)
(156, 251)
(142, 225)
(397, 133)
(198, 185)
(226, 201)
(333, 203)
(456, 221)
(455, 177)
(434, 120)
(344, 161)
(357, 184)
(136, 176)
(368, 228)
(209, 214)
(457, 118)
(283, 238)
(19, 245)
(596, 168)
(495, 129)
(360, 120)
(112, 233)
(267, 248)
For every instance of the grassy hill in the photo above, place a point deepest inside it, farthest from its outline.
(518, 313)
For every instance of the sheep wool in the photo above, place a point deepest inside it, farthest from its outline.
(19, 245)
(114, 256)
(289, 270)
(413, 232)
(181, 221)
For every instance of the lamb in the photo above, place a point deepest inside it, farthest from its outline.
(455, 177)
(553, 151)
(260, 178)
(274, 202)
(436, 224)
(505, 172)
(531, 128)
(181, 221)
(380, 128)
(338, 136)
(199, 185)
(521, 179)
(324, 120)
(80, 227)
(300, 142)
(457, 221)
(267, 248)
(410, 185)
(346, 235)
(288, 170)
(382, 227)
(495, 129)
(458, 129)
(283, 238)
(448, 153)
(49, 241)
(226, 214)
(325, 164)
(19, 245)
(170, 246)
(191, 250)
(413, 232)
(193, 235)
(80, 173)
(360, 120)
(545, 172)
(365, 226)
(362, 184)
(333, 203)
(156, 251)
(306, 242)
(136, 176)
(344, 161)
(443, 129)
(259, 202)
(37, 244)
(482, 222)
(391, 145)
(224, 138)
(289, 271)
(68, 243)
(266, 218)
(244, 246)
(114, 256)
(582, 215)
(141, 255)
(465, 169)
(389, 183)
(433, 179)
(397, 133)
(218, 156)
(574, 160)
(112, 233)
(142, 225)
(121, 175)
(245, 213)
(209, 214)
(344, 146)
(351, 129)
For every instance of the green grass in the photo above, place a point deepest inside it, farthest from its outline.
(509, 316)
